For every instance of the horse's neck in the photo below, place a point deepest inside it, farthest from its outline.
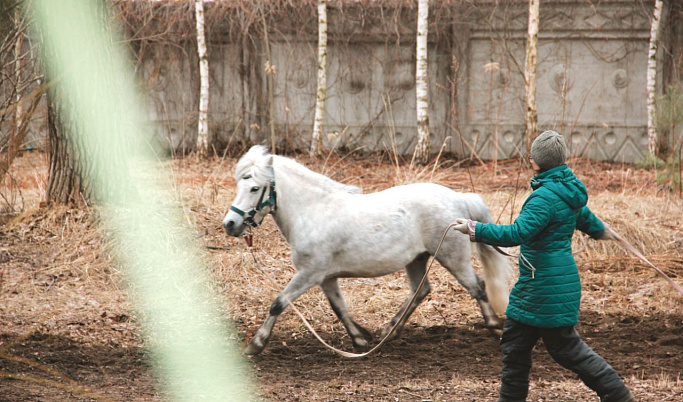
(297, 190)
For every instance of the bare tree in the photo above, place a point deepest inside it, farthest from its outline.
(422, 84)
(18, 46)
(12, 142)
(319, 121)
(17, 106)
(652, 79)
(73, 162)
(530, 111)
(202, 120)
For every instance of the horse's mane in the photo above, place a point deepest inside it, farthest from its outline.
(256, 162)
(305, 174)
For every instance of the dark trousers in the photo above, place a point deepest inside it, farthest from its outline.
(567, 348)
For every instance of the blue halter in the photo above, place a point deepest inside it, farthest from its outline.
(271, 201)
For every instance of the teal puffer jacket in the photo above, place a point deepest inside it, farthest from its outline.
(548, 291)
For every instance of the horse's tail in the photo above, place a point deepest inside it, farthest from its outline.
(497, 268)
(497, 271)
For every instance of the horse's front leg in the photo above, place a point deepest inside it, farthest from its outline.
(416, 271)
(297, 286)
(359, 335)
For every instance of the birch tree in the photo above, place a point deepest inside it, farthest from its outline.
(319, 120)
(421, 84)
(202, 121)
(270, 70)
(652, 79)
(530, 111)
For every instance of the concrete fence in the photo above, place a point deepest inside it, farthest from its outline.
(591, 79)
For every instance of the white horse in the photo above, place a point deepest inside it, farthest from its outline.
(334, 232)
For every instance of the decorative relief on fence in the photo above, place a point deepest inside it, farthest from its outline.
(591, 80)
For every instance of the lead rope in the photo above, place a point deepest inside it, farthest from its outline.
(356, 355)
(638, 254)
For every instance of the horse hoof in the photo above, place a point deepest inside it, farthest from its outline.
(496, 332)
(361, 346)
(495, 323)
(392, 336)
(365, 333)
(252, 349)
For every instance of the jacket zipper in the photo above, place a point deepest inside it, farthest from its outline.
(531, 267)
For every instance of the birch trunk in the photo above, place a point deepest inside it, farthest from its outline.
(319, 121)
(202, 121)
(421, 84)
(652, 79)
(531, 114)
(270, 70)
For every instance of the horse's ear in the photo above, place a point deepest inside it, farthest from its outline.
(269, 161)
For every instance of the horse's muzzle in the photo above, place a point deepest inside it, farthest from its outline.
(233, 228)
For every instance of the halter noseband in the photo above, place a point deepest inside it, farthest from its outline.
(271, 201)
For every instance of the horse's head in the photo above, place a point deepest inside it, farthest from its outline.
(255, 191)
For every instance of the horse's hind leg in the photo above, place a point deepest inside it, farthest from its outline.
(297, 286)
(359, 335)
(416, 271)
(491, 320)
(460, 266)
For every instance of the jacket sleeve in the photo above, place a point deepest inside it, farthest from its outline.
(590, 224)
(533, 218)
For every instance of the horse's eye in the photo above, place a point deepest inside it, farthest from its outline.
(254, 189)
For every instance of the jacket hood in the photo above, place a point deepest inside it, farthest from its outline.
(562, 182)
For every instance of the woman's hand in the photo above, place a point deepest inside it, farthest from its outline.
(466, 226)
(462, 226)
(609, 234)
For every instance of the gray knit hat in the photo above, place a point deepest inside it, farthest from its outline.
(549, 150)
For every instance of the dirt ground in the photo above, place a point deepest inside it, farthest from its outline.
(68, 330)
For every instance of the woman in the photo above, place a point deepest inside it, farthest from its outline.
(544, 303)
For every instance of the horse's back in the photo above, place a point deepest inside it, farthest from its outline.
(424, 210)
(432, 198)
